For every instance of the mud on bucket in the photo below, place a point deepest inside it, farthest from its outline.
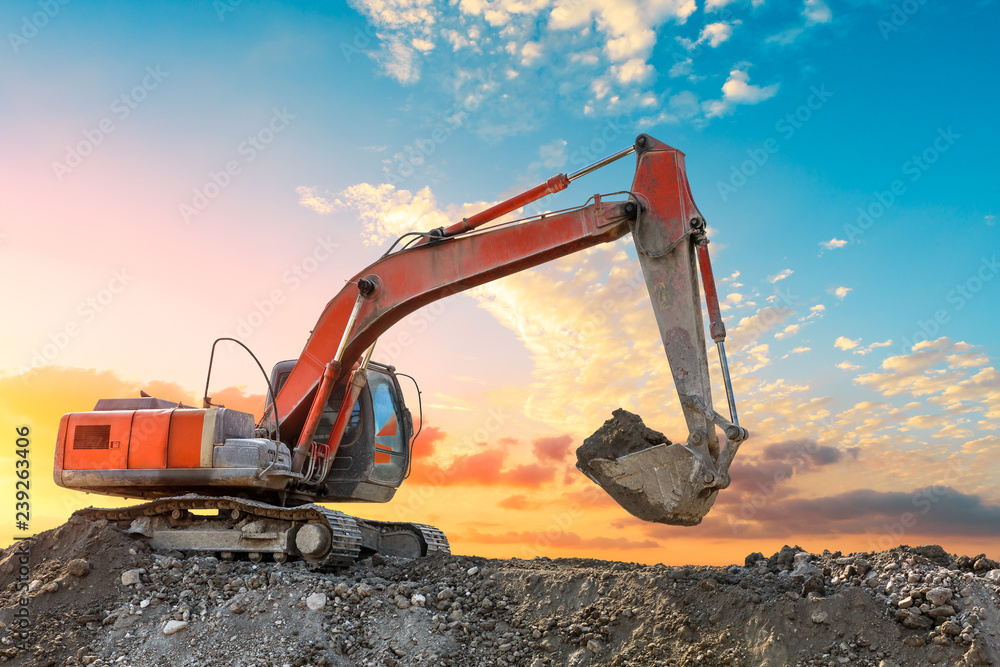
(648, 476)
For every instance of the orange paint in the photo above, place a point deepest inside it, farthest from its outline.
(97, 440)
(147, 447)
(184, 441)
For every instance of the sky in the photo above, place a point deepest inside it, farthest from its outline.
(176, 172)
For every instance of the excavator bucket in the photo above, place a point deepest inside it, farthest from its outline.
(647, 475)
(650, 477)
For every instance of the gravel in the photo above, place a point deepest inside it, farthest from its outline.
(103, 598)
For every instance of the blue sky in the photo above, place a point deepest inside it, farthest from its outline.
(794, 116)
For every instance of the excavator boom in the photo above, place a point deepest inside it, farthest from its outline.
(669, 235)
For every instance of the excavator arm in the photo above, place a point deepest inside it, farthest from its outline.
(670, 483)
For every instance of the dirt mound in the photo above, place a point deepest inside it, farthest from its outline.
(98, 597)
(625, 433)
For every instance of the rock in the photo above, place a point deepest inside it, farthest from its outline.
(473, 571)
(819, 617)
(709, 584)
(814, 584)
(984, 564)
(172, 627)
(594, 646)
(785, 557)
(941, 612)
(913, 620)
(936, 654)
(977, 654)
(418, 600)
(364, 590)
(938, 596)
(78, 567)
(905, 603)
(549, 645)
(931, 551)
(951, 628)
(753, 558)
(342, 589)
(401, 602)
(316, 601)
(993, 575)
(914, 641)
(130, 577)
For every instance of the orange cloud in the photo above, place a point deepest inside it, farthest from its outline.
(554, 448)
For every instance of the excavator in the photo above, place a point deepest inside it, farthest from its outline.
(335, 427)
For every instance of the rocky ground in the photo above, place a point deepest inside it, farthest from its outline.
(98, 597)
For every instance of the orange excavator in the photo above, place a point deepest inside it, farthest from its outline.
(336, 428)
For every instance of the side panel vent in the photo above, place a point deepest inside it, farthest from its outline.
(96, 436)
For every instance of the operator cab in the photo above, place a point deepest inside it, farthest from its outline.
(374, 454)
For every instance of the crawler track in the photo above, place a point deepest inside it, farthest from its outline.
(255, 529)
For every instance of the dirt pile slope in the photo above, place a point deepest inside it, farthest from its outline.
(98, 597)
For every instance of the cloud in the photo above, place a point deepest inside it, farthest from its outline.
(790, 330)
(816, 11)
(386, 213)
(515, 502)
(555, 448)
(553, 155)
(682, 68)
(712, 34)
(843, 343)
(936, 510)
(847, 366)
(738, 90)
(833, 243)
(840, 292)
(781, 275)
(484, 468)
(874, 346)
(805, 452)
